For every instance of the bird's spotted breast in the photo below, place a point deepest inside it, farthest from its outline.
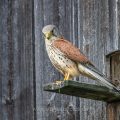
(61, 62)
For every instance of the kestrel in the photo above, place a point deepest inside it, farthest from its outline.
(68, 59)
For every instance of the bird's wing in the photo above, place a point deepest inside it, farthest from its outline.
(70, 51)
(74, 54)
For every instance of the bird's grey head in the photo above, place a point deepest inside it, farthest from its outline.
(50, 31)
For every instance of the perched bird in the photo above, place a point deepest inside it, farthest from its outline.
(68, 59)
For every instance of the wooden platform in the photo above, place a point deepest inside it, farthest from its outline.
(84, 90)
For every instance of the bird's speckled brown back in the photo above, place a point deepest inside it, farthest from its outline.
(70, 51)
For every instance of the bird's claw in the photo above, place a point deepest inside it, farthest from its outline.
(58, 82)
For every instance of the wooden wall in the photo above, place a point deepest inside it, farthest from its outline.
(92, 25)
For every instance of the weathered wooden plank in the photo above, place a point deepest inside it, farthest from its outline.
(6, 64)
(16, 72)
(118, 22)
(39, 58)
(92, 46)
(112, 43)
(84, 90)
(114, 108)
(24, 60)
(3, 57)
(44, 103)
(113, 112)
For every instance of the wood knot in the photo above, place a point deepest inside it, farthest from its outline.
(9, 101)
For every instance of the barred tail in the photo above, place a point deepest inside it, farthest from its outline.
(93, 73)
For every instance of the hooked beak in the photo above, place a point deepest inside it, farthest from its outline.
(48, 35)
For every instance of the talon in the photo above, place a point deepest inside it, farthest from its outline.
(67, 76)
(58, 82)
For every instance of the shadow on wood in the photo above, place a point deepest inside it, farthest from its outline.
(83, 90)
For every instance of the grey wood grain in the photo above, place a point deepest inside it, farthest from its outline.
(113, 109)
(118, 22)
(113, 25)
(16, 56)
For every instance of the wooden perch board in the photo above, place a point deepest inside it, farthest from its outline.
(84, 90)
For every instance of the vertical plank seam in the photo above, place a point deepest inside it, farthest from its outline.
(33, 54)
(9, 101)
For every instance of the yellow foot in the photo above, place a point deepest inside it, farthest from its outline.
(67, 76)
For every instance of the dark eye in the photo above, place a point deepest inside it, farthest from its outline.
(54, 31)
